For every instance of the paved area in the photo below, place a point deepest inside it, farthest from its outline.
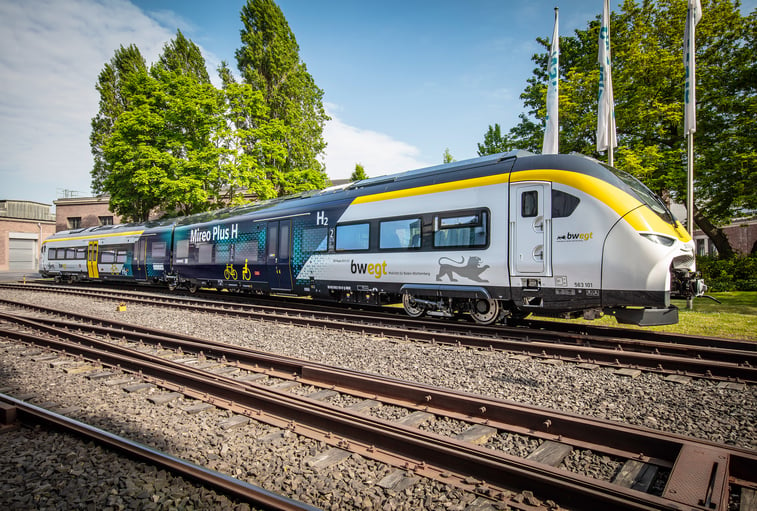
(16, 276)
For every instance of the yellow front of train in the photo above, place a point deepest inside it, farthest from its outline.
(648, 258)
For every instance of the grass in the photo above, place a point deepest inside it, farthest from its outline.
(734, 317)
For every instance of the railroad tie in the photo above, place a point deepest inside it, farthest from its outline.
(398, 481)
(415, 419)
(636, 475)
(328, 458)
(477, 434)
(550, 453)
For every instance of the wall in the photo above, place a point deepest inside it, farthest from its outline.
(12, 228)
(89, 209)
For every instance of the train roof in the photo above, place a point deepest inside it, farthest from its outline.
(501, 163)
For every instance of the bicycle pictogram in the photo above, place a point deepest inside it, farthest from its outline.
(230, 273)
(246, 273)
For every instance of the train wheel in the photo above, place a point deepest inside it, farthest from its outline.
(172, 286)
(192, 288)
(412, 309)
(485, 312)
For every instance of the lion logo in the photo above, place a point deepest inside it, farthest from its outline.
(472, 270)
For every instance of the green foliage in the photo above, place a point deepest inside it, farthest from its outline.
(113, 102)
(734, 274)
(447, 156)
(166, 139)
(495, 142)
(159, 150)
(648, 78)
(269, 61)
(359, 173)
(182, 55)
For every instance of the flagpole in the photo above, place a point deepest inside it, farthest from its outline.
(610, 159)
(690, 183)
(606, 134)
(693, 15)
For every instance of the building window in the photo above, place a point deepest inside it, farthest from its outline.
(701, 247)
(105, 220)
(74, 222)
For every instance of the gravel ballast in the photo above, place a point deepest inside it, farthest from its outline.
(282, 462)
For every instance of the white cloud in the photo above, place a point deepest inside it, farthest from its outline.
(51, 53)
(378, 153)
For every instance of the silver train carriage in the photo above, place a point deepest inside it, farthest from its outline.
(496, 237)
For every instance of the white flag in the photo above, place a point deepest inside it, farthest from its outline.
(606, 136)
(693, 15)
(551, 128)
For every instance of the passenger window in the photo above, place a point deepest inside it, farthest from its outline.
(121, 256)
(465, 230)
(205, 253)
(81, 253)
(107, 256)
(158, 249)
(70, 253)
(563, 204)
(400, 234)
(529, 204)
(353, 237)
(182, 250)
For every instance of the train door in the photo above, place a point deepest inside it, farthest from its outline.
(279, 255)
(92, 252)
(530, 229)
(139, 260)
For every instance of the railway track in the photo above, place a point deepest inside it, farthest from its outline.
(17, 411)
(694, 474)
(673, 355)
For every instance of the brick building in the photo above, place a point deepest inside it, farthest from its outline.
(23, 226)
(742, 235)
(81, 212)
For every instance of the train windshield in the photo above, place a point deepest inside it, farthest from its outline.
(644, 194)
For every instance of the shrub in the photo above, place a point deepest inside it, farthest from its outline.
(735, 274)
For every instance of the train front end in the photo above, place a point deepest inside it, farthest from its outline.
(648, 258)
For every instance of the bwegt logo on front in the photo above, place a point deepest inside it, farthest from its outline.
(576, 236)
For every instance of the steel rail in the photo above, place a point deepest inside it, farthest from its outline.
(539, 330)
(500, 470)
(31, 414)
(625, 440)
(727, 365)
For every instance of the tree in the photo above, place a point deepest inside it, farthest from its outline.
(648, 80)
(183, 56)
(269, 61)
(179, 145)
(447, 156)
(359, 173)
(495, 142)
(113, 102)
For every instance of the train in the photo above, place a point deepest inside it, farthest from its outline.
(494, 238)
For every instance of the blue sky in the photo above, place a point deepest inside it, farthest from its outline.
(402, 80)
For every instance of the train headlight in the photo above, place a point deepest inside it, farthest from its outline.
(657, 238)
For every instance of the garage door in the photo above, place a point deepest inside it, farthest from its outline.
(22, 255)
